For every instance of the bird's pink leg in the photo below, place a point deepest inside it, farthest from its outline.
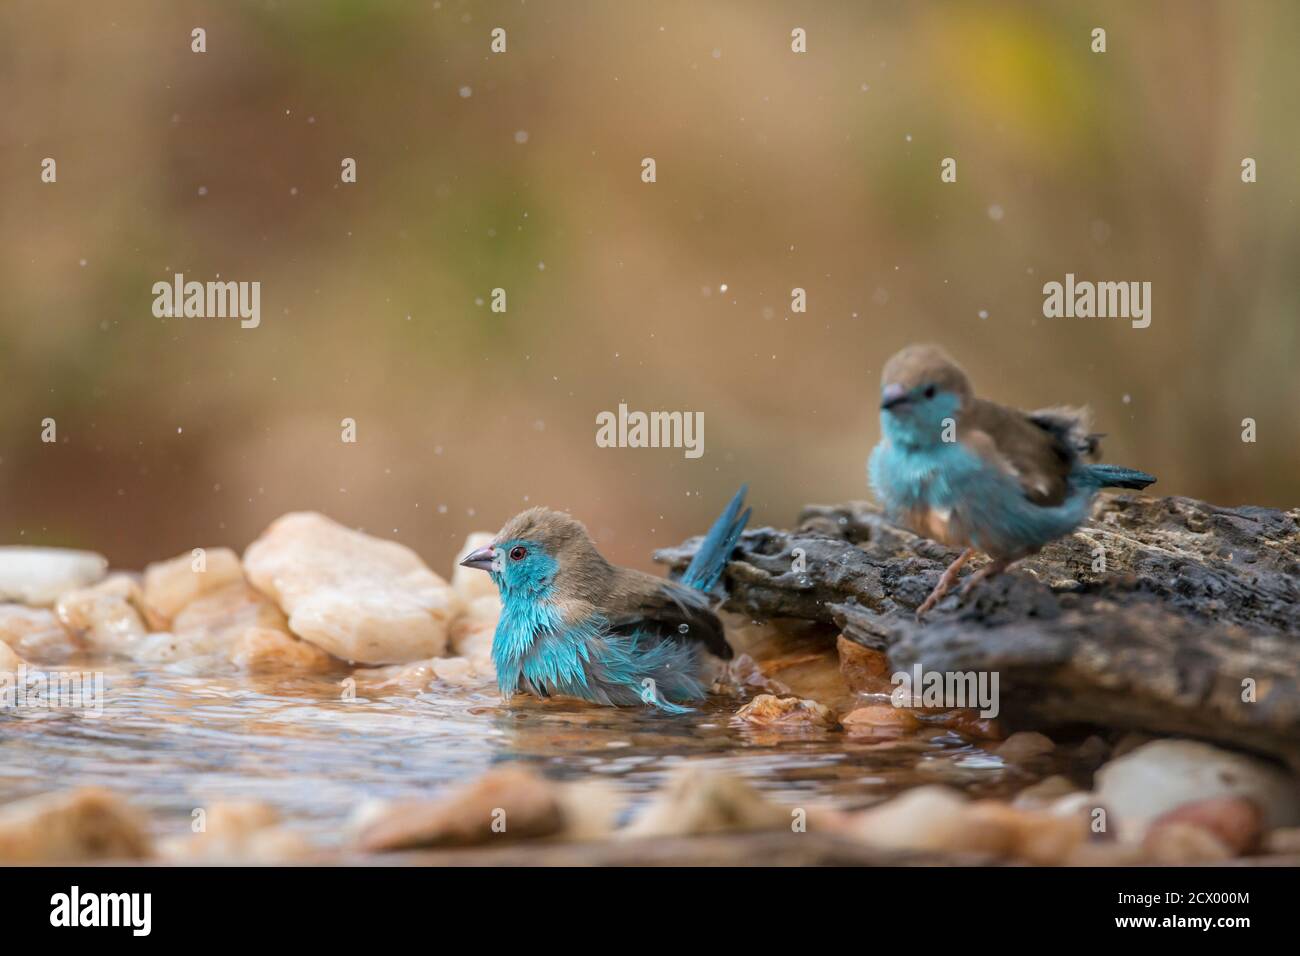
(946, 581)
(996, 566)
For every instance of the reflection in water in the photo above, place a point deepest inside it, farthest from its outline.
(177, 738)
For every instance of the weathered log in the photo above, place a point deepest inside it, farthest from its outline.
(1191, 627)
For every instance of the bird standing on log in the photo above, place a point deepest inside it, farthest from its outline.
(979, 476)
(573, 624)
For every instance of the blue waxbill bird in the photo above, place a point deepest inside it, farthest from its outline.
(979, 476)
(572, 624)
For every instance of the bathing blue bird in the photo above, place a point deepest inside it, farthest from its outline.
(979, 476)
(574, 625)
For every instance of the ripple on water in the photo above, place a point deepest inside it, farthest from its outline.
(175, 739)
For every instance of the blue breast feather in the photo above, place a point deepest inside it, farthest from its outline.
(986, 506)
(536, 650)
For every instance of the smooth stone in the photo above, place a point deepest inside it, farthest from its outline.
(10, 660)
(1285, 840)
(235, 819)
(1072, 804)
(742, 672)
(454, 670)
(472, 632)
(1036, 837)
(1237, 822)
(864, 669)
(1044, 793)
(761, 640)
(696, 801)
(790, 660)
(213, 622)
(485, 609)
(1130, 742)
(107, 616)
(170, 585)
(358, 597)
(158, 647)
(505, 804)
(1112, 853)
(38, 576)
(1089, 755)
(1162, 775)
(937, 818)
(420, 675)
(1023, 746)
(209, 626)
(35, 633)
(968, 722)
(879, 720)
(786, 712)
(1183, 844)
(929, 817)
(590, 808)
(239, 831)
(73, 826)
(368, 811)
(262, 650)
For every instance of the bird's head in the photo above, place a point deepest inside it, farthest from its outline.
(921, 389)
(542, 553)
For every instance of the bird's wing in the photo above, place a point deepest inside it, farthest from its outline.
(1039, 450)
(639, 602)
(1072, 426)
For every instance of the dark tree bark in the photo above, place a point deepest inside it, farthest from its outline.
(1196, 607)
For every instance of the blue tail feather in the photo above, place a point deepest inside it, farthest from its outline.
(1116, 476)
(711, 559)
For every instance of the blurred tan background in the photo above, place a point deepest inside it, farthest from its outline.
(775, 170)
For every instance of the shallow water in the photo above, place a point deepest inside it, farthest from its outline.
(184, 736)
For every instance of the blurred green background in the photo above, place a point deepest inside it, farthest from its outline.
(775, 171)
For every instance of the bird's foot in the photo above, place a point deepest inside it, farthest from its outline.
(996, 566)
(946, 581)
(928, 604)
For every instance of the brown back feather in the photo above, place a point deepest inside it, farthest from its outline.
(1039, 449)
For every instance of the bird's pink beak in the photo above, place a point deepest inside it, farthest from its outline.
(891, 395)
(484, 559)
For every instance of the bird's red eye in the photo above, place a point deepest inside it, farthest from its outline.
(517, 553)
